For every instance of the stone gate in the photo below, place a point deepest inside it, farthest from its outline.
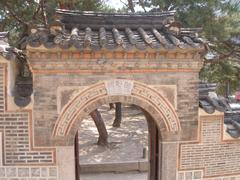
(85, 60)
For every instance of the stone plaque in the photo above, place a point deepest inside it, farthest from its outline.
(119, 87)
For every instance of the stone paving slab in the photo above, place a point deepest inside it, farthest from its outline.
(115, 176)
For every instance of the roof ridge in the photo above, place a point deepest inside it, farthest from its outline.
(77, 12)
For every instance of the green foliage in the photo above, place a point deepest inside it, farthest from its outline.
(214, 16)
(222, 73)
(220, 20)
(19, 16)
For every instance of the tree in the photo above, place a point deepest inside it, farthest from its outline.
(103, 135)
(19, 16)
(220, 22)
(118, 115)
(226, 74)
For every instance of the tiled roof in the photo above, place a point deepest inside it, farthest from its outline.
(23, 85)
(4, 44)
(232, 120)
(96, 31)
(209, 101)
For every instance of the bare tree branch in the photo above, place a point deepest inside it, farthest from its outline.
(131, 6)
(44, 14)
(142, 4)
(37, 9)
(125, 4)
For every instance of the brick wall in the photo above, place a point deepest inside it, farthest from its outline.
(217, 158)
(16, 130)
(198, 175)
(45, 97)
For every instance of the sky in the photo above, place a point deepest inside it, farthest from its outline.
(118, 4)
(115, 3)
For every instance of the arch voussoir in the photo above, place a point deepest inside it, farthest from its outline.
(118, 90)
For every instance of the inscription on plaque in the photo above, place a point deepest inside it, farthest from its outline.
(119, 87)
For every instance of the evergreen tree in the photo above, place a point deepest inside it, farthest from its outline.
(220, 21)
(19, 16)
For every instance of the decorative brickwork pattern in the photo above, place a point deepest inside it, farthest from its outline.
(215, 156)
(28, 173)
(89, 62)
(97, 91)
(189, 175)
(46, 99)
(197, 175)
(16, 129)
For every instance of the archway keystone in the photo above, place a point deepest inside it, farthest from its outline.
(119, 87)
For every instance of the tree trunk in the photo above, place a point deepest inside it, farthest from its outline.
(131, 6)
(227, 88)
(118, 115)
(111, 106)
(69, 4)
(103, 135)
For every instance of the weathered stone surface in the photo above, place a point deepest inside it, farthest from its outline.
(119, 87)
(44, 172)
(2, 172)
(11, 172)
(35, 172)
(52, 172)
(23, 172)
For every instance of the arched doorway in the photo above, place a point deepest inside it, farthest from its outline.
(159, 112)
(128, 145)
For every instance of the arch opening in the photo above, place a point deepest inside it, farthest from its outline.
(152, 137)
(160, 114)
(139, 94)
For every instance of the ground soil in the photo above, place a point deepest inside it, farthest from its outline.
(125, 143)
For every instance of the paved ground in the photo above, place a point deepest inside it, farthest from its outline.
(115, 176)
(125, 143)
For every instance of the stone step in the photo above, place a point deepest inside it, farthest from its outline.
(141, 166)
